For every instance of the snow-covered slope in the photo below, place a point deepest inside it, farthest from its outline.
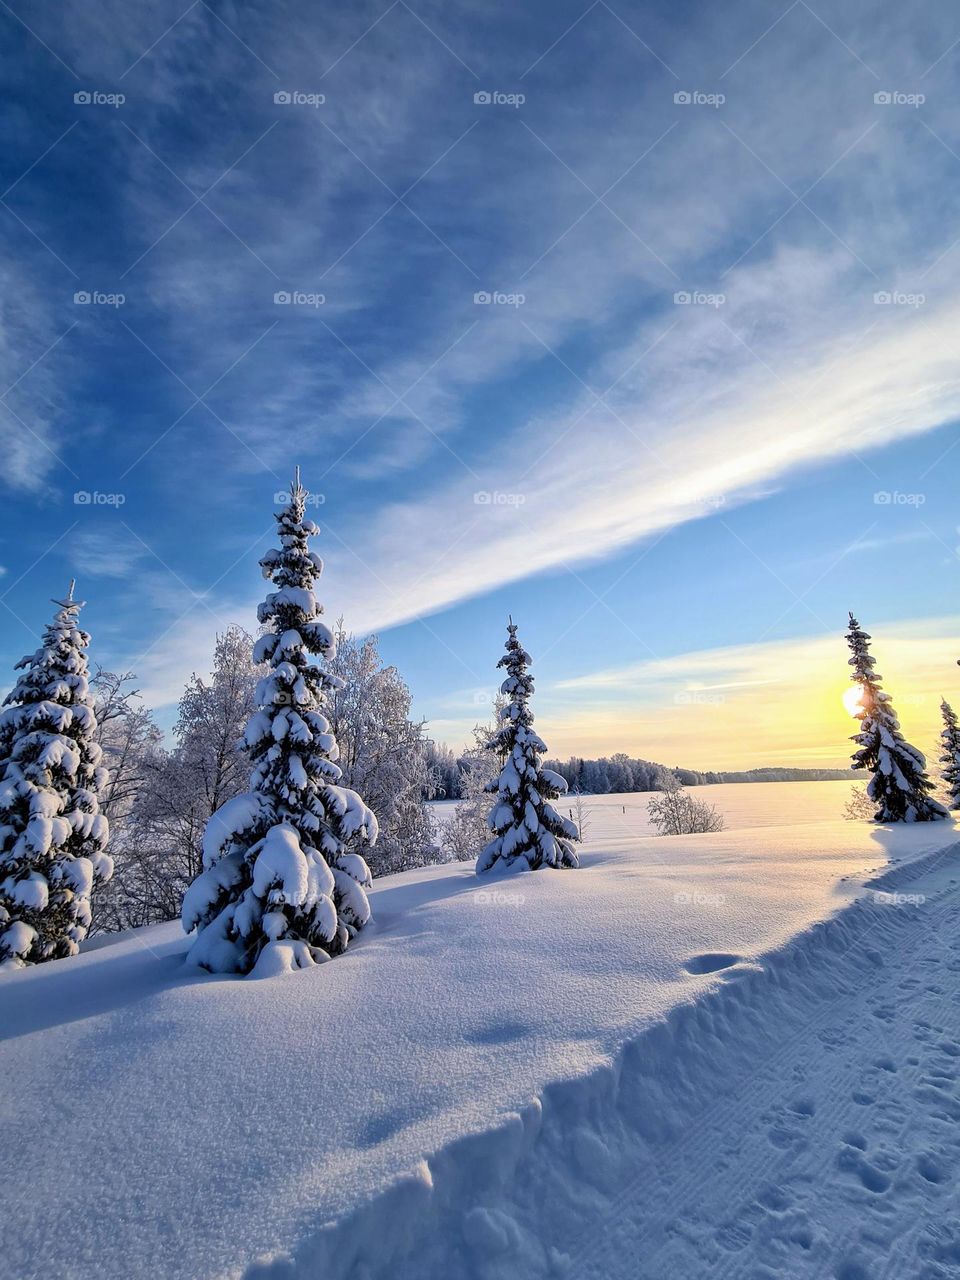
(478, 1030)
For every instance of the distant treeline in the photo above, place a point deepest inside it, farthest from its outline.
(620, 772)
(777, 775)
(623, 773)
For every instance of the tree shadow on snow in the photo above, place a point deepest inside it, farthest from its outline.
(96, 982)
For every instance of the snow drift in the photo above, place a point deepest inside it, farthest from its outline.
(492, 1039)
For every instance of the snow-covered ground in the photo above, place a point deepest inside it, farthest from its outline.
(754, 804)
(663, 1065)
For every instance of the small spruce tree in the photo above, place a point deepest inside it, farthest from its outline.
(280, 888)
(528, 831)
(52, 833)
(950, 758)
(899, 786)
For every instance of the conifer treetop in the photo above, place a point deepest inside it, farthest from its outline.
(282, 887)
(899, 785)
(950, 754)
(52, 834)
(528, 831)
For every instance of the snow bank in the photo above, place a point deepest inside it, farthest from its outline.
(217, 1142)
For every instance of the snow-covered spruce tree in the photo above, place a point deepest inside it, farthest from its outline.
(899, 787)
(528, 831)
(950, 758)
(52, 833)
(280, 888)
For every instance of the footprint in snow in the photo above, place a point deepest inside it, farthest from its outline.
(711, 962)
(803, 1107)
(930, 1168)
(785, 1138)
(774, 1198)
(870, 1177)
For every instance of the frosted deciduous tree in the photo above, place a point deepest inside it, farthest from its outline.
(950, 754)
(528, 831)
(132, 748)
(281, 887)
(675, 812)
(52, 833)
(858, 807)
(467, 829)
(443, 772)
(157, 842)
(383, 753)
(128, 738)
(899, 787)
(211, 720)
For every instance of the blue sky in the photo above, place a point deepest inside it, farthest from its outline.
(665, 477)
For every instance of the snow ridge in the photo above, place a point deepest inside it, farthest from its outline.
(666, 1104)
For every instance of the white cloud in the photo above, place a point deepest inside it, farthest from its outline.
(719, 432)
(105, 554)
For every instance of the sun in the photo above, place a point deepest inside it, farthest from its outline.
(852, 700)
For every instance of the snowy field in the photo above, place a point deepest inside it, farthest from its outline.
(753, 804)
(704, 1056)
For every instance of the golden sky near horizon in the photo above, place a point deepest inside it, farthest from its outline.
(777, 703)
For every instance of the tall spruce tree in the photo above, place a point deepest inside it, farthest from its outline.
(950, 754)
(899, 786)
(280, 888)
(52, 833)
(528, 831)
